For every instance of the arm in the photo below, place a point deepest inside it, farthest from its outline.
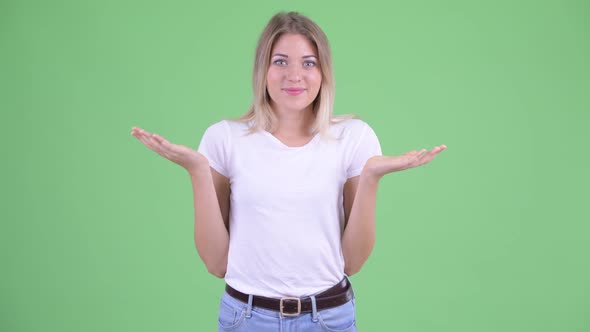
(211, 201)
(358, 239)
(360, 196)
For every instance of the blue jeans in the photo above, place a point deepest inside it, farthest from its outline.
(237, 316)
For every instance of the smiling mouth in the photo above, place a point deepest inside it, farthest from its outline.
(294, 92)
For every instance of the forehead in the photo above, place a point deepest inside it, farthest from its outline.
(295, 44)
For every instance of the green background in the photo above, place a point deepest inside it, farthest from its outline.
(97, 230)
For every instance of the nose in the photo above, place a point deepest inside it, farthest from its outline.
(293, 74)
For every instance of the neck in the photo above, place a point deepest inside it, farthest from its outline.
(294, 123)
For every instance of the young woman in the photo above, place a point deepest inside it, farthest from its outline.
(285, 196)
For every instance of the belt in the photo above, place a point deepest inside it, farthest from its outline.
(293, 306)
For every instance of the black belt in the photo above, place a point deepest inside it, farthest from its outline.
(293, 306)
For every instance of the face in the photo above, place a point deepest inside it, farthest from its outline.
(294, 77)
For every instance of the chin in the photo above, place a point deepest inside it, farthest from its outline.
(298, 107)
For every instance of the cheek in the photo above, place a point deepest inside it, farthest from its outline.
(272, 78)
(316, 80)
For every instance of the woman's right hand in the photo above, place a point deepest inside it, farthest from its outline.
(189, 159)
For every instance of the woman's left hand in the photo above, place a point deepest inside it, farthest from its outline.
(377, 166)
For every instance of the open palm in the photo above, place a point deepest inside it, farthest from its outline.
(182, 155)
(378, 166)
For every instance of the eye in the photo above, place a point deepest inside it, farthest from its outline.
(280, 62)
(309, 64)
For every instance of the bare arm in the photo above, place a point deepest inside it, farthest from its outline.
(358, 239)
(211, 202)
(211, 199)
(360, 196)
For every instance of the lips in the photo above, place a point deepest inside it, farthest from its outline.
(294, 91)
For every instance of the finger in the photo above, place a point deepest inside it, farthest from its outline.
(420, 154)
(145, 132)
(440, 148)
(162, 144)
(414, 158)
(163, 147)
(417, 158)
(160, 139)
(147, 141)
(140, 133)
(155, 139)
(135, 131)
(430, 155)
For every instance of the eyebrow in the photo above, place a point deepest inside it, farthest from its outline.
(286, 56)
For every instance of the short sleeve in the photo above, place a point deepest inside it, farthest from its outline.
(215, 146)
(367, 146)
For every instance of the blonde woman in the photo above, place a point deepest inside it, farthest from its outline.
(285, 196)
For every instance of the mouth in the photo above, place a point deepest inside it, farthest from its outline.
(294, 91)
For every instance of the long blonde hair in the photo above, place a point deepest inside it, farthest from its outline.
(260, 112)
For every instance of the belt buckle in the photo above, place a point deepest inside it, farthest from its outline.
(298, 306)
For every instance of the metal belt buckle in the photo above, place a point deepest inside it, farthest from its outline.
(298, 306)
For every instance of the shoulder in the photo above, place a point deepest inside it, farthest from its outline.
(236, 126)
(349, 128)
(227, 128)
(217, 128)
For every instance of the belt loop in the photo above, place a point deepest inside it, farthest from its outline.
(249, 308)
(314, 311)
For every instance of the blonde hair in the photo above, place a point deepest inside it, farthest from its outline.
(260, 112)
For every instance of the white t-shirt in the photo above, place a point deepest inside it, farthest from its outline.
(286, 204)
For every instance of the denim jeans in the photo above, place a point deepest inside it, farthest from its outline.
(237, 316)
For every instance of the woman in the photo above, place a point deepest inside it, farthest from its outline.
(301, 187)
